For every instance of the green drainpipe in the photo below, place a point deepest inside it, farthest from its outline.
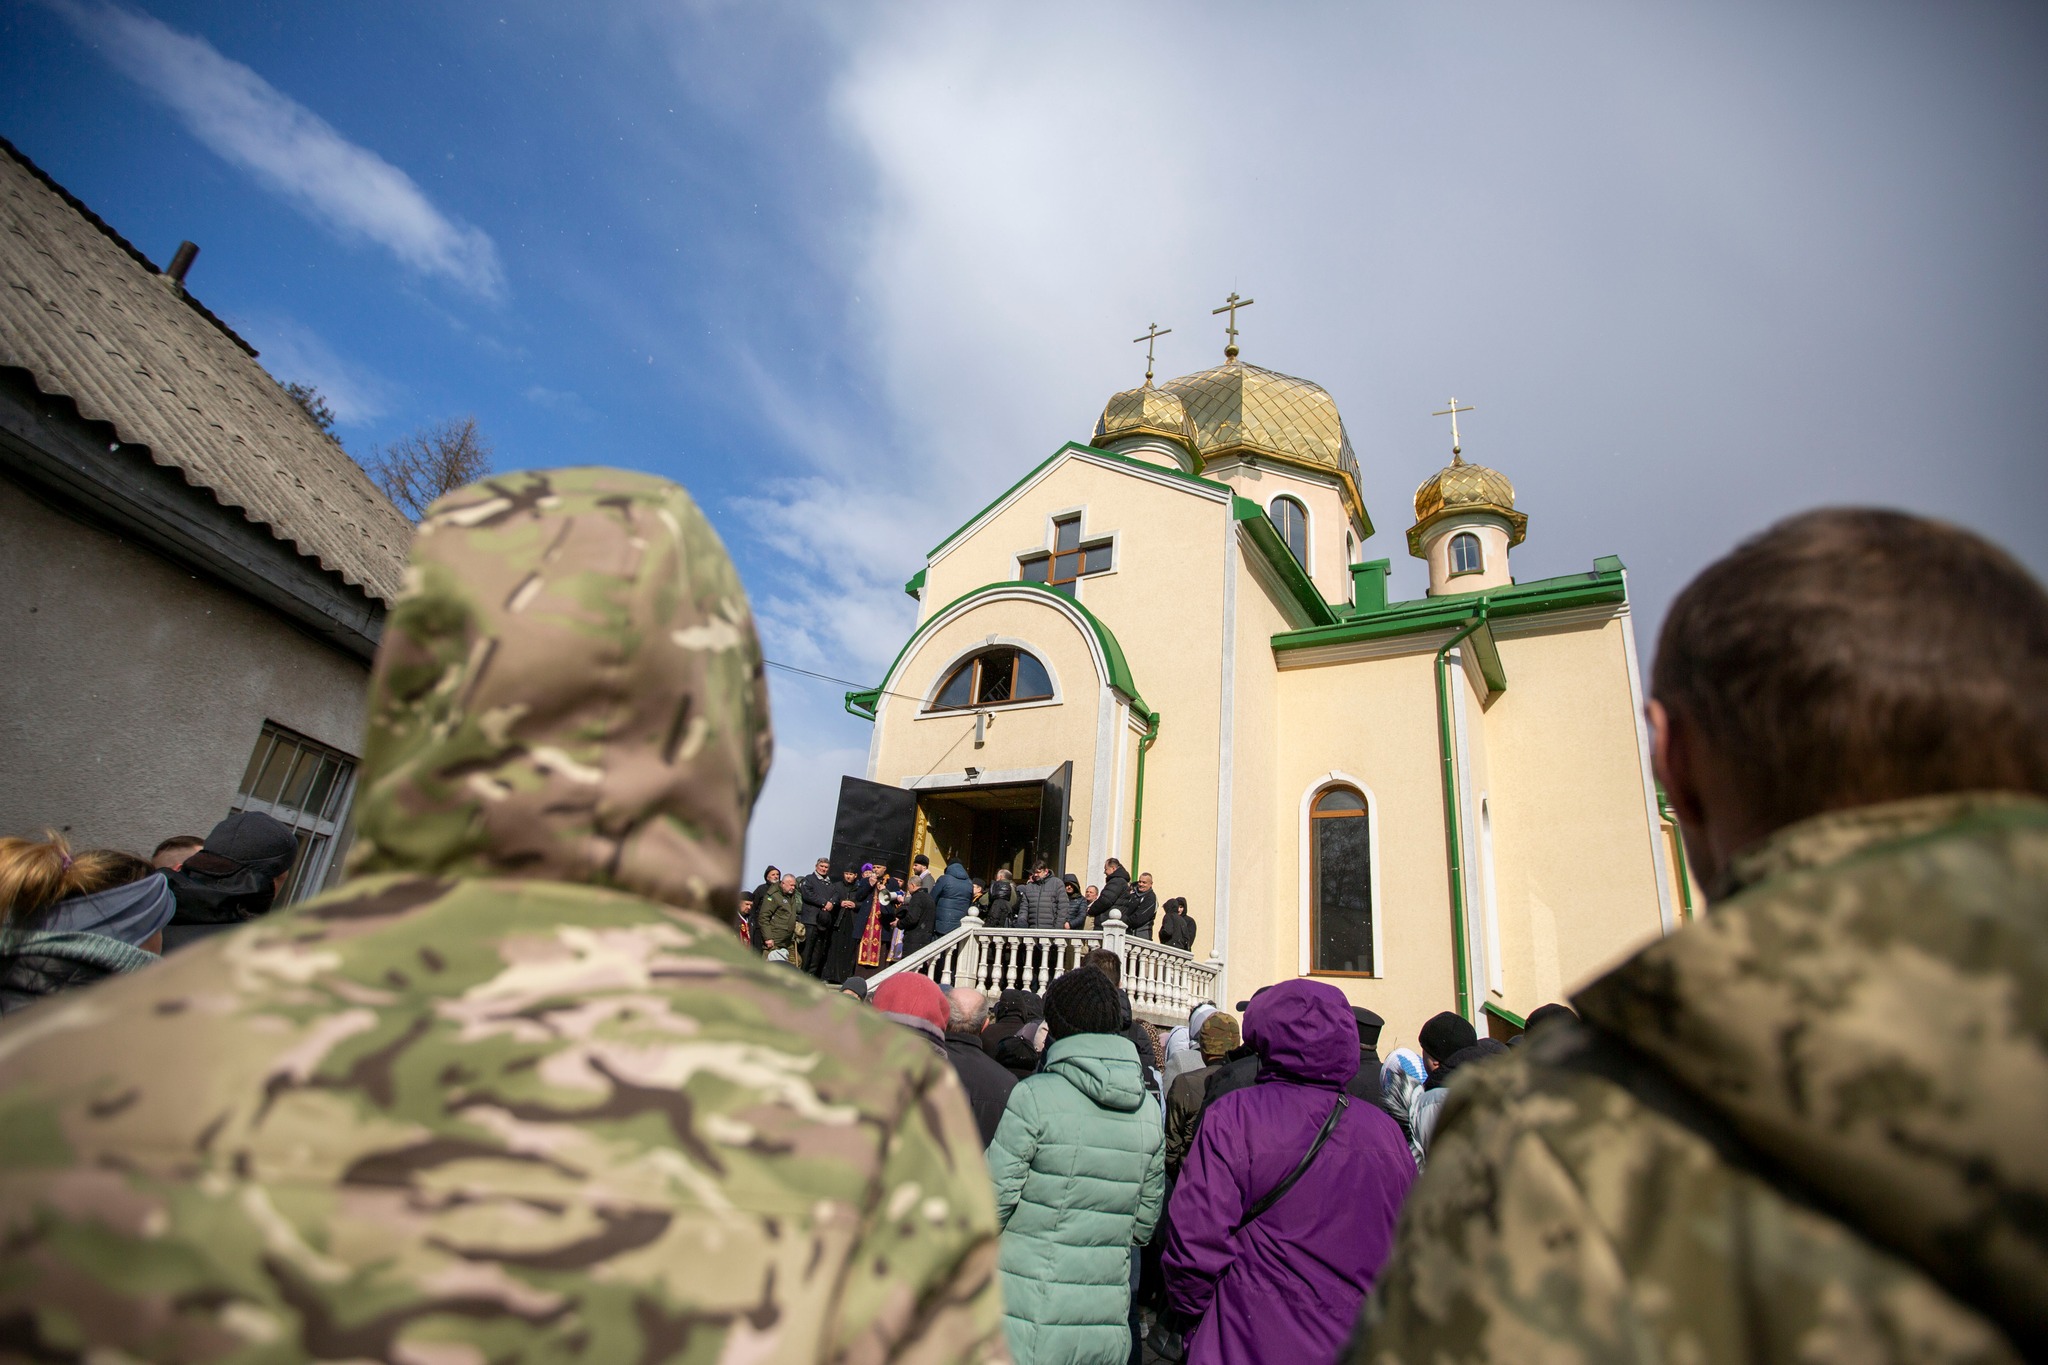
(1138, 816)
(1677, 842)
(1453, 843)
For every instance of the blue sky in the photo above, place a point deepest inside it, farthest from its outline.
(846, 272)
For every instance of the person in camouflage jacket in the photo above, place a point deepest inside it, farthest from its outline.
(1810, 1126)
(514, 1092)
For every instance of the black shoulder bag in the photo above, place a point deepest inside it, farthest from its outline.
(1279, 1191)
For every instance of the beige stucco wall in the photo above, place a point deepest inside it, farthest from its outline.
(1573, 841)
(1575, 879)
(1261, 481)
(1373, 721)
(1171, 643)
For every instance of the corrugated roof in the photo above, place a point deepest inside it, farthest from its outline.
(88, 316)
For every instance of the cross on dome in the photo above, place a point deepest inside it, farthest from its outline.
(1230, 306)
(1152, 334)
(1457, 450)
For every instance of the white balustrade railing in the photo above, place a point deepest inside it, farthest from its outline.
(1163, 983)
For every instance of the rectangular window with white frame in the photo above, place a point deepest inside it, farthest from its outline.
(308, 787)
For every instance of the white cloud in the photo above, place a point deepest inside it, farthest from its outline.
(287, 147)
(295, 353)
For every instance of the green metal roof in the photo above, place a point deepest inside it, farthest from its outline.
(1604, 584)
(1207, 485)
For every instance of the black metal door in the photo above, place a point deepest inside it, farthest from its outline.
(1052, 818)
(875, 824)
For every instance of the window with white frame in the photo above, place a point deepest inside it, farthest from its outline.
(994, 677)
(1465, 555)
(1070, 559)
(1290, 519)
(1340, 883)
(308, 787)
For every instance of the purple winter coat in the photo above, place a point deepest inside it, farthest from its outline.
(1288, 1288)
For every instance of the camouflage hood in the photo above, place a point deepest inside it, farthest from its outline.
(1869, 1011)
(569, 689)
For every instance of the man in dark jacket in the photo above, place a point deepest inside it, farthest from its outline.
(1814, 1091)
(1077, 904)
(953, 896)
(999, 902)
(1141, 908)
(1116, 886)
(987, 1083)
(1043, 899)
(916, 917)
(818, 894)
(233, 879)
(1177, 926)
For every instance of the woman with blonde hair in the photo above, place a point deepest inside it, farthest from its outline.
(68, 920)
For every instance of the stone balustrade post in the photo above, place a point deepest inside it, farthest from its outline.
(1113, 940)
(967, 966)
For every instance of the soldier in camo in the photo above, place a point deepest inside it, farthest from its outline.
(1813, 1126)
(514, 1093)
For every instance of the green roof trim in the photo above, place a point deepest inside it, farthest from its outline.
(1208, 485)
(1603, 585)
(1292, 575)
(1509, 1015)
(914, 589)
(1112, 652)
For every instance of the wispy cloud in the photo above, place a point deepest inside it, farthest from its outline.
(286, 146)
(294, 352)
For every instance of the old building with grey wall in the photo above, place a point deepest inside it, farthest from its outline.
(192, 574)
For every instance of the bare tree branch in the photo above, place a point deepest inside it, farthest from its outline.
(436, 459)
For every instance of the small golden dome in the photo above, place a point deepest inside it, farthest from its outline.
(1461, 487)
(1146, 411)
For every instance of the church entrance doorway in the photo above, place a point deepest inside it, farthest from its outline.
(1002, 825)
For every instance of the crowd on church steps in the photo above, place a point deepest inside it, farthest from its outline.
(517, 1090)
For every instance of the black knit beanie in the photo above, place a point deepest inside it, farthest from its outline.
(1082, 1001)
(1445, 1034)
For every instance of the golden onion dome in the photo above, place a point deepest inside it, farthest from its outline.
(1237, 409)
(1461, 487)
(1145, 411)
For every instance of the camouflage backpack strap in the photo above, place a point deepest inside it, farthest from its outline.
(1587, 1049)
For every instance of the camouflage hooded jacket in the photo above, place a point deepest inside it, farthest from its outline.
(514, 1093)
(1811, 1127)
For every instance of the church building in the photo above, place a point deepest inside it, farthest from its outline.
(1168, 645)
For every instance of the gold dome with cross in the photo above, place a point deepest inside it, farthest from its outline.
(1237, 410)
(1461, 487)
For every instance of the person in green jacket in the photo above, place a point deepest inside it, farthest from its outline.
(515, 1092)
(776, 917)
(1807, 1127)
(1080, 1174)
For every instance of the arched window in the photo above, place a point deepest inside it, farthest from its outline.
(993, 678)
(1465, 556)
(1290, 519)
(1340, 883)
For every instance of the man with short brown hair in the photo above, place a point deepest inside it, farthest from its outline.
(1808, 1126)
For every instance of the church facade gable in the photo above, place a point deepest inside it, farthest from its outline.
(1443, 803)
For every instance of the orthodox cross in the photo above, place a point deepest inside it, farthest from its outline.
(1457, 451)
(1230, 306)
(1152, 334)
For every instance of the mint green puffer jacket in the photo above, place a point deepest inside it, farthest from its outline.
(1079, 1167)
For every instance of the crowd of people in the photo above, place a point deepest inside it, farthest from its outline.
(514, 1091)
(868, 916)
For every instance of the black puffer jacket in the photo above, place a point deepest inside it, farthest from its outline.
(35, 965)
